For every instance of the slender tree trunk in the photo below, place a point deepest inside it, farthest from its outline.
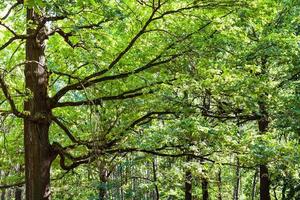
(253, 192)
(3, 192)
(206, 106)
(188, 185)
(219, 184)
(38, 153)
(263, 124)
(154, 166)
(103, 182)
(18, 193)
(236, 190)
(122, 182)
(204, 189)
(264, 183)
(188, 182)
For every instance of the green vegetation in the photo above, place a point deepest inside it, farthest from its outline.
(149, 99)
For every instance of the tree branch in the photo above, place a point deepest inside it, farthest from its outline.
(76, 161)
(65, 129)
(6, 186)
(111, 65)
(11, 40)
(9, 98)
(124, 95)
(11, 8)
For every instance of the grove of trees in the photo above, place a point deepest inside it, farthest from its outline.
(150, 99)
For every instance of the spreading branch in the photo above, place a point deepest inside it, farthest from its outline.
(12, 39)
(76, 161)
(137, 92)
(110, 66)
(65, 129)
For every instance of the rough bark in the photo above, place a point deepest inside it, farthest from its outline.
(38, 154)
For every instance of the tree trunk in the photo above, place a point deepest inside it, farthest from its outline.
(103, 179)
(38, 153)
(236, 190)
(264, 183)
(188, 185)
(263, 125)
(18, 193)
(188, 182)
(154, 167)
(206, 106)
(204, 189)
(3, 192)
(219, 182)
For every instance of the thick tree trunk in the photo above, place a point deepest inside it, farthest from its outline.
(38, 154)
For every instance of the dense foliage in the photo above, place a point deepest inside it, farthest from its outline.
(151, 99)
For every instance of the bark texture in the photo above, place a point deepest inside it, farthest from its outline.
(38, 153)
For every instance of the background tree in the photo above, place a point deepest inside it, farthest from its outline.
(150, 99)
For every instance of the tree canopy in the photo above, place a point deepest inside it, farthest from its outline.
(149, 99)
